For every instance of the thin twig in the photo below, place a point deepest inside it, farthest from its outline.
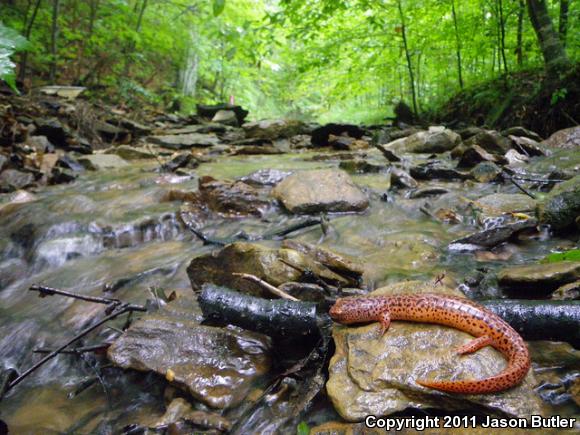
(518, 185)
(121, 310)
(267, 286)
(49, 291)
(76, 350)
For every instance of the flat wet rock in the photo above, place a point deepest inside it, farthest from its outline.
(320, 190)
(97, 162)
(568, 138)
(436, 140)
(370, 375)
(539, 277)
(494, 236)
(184, 141)
(187, 355)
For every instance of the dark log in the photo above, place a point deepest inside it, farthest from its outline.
(540, 319)
(277, 318)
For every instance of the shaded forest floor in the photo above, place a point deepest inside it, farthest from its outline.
(525, 98)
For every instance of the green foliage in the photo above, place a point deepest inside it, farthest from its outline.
(10, 42)
(322, 59)
(303, 428)
(557, 95)
(571, 255)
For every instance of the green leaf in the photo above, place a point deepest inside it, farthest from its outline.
(218, 7)
(10, 41)
(303, 428)
(572, 255)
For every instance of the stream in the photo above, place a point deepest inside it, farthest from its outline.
(116, 227)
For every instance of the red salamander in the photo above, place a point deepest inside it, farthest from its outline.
(459, 313)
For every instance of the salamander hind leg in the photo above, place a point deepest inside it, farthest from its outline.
(474, 345)
(385, 320)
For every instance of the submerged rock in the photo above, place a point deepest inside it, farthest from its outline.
(497, 204)
(400, 178)
(561, 207)
(265, 177)
(373, 375)
(320, 190)
(130, 153)
(360, 166)
(184, 141)
(539, 277)
(217, 366)
(438, 169)
(476, 154)
(569, 291)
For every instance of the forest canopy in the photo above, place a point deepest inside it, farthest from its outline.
(315, 59)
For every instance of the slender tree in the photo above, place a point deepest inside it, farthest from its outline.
(54, 40)
(563, 23)
(457, 44)
(27, 32)
(520, 32)
(407, 54)
(552, 49)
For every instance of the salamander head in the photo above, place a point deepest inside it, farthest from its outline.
(353, 310)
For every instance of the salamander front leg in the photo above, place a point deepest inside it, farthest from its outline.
(474, 345)
(385, 320)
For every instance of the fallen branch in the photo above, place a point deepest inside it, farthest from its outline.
(76, 350)
(518, 185)
(274, 290)
(115, 309)
(278, 318)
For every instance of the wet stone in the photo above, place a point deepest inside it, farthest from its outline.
(436, 140)
(12, 179)
(475, 154)
(232, 198)
(319, 191)
(185, 353)
(522, 132)
(491, 141)
(130, 153)
(360, 167)
(494, 236)
(486, 172)
(561, 207)
(539, 277)
(400, 178)
(569, 291)
(437, 170)
(373, 375)
(568, 138)
(97, 162)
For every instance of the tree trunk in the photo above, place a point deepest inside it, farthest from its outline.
(53, 40)
(407, 55)
(27, 32)
(519, 43)
(458, 44)
(552, 49)
(563, 24)
(502, 35)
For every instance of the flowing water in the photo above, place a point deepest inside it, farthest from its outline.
(113, 227)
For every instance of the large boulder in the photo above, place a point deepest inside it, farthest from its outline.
(569, 138)
(491, 141)
(373, 375)
(321, 190)
(561, 207)
(217, 366)
(271, 265)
